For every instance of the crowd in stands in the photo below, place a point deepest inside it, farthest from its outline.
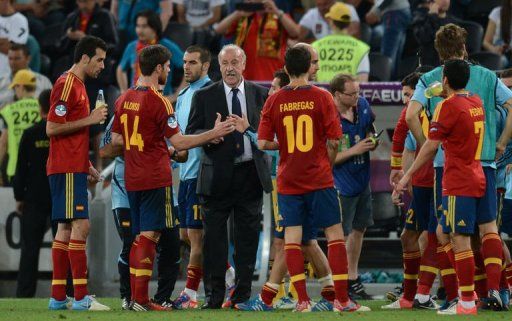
(396, 34)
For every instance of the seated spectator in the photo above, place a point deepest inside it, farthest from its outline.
(126, 12)
(497, 34)
(314, 26)
(91, 20)
(396, 17)
(18, 116)
(19, 58)
(149, 32)
(425, 26)
(262, 35)
(340, 52)
(41, 13)
(13, 28)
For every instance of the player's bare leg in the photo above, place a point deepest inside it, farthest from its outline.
(337, 257)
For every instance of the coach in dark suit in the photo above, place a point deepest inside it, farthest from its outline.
(232, 177)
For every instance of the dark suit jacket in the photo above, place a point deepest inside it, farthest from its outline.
(216, 168)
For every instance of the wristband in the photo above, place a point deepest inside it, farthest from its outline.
(396, 161)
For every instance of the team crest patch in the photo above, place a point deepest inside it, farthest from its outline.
(172, 122)
(60, 110)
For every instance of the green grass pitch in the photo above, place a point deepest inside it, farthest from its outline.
(36, 309)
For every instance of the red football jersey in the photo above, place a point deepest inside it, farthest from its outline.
(69, 102)
(459, 123)
(303, 119)
(145, 118)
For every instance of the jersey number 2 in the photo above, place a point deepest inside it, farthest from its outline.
(135, 139)
(479, 129)
(302, 138)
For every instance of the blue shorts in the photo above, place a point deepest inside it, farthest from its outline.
(188, 205)
(69, 196)
(504, 220)
(460, 214)
(308, 232)
(320, 208)
(421, 210)
(487, 206)
(152, 210)
(438, 191)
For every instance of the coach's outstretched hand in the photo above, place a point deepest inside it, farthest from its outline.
(222, 128)
(98, 115)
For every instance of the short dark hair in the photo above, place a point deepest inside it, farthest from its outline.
(152, 56)
(297, 61)
(19, 46)
(153, 21)
(44, 100)
(87, 46)
(339, 81)
(341, 24)
(507, 73)
(204, 54)
(283, 77)
(456, 72)
(411, 80)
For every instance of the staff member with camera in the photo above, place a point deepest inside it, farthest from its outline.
(352, 171)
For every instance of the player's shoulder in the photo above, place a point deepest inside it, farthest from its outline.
(157, 98)
(64, 85)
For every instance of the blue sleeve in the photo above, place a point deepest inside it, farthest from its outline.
(503, 93)
(410, 142)
(253, 137)
(419, 93)
(128, 54)
(107, 136)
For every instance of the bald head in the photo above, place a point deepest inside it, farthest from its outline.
(313, 69)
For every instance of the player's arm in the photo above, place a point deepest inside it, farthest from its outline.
(184, 142)
(332, 149)
(413, 121)
(68, 127)
(178, 156)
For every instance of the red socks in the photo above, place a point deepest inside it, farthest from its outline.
(295, 262)
(328, 293)
(508, 271)
(60, 261)
(132, 265)
(448, 275)
(194, 275)
(492, 252)
(465, 266)
(78, 261)
(337, 257)
(268, 293)
(428, 266)
(480, 277)
(144, 256)
(411, 269)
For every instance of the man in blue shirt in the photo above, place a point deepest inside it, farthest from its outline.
(352, 171)
(149, 32)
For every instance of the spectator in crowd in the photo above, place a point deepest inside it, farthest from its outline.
(263, 36)
(13, 28)
(126, 13)
(499, 27)
(314, 25)
(362, 6)
(41, 13)
(396, 17)
(352, 172)
(234, 175)
(18, 116)
(287, 6)
(149, 32)
(19, 58)
(88, 19)
(340, 52)
(33, 201)
(425, 27)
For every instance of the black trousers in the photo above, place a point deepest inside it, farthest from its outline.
(168, 259)
(35, 221)
(244, 200)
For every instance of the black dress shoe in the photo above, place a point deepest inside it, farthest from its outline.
(211, 306)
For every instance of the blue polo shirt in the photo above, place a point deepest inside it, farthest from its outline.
(129, 58)
(353, 176)
(128, 9)
(189, 169)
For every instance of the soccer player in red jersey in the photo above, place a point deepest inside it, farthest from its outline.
(144, 118)
(303, 117)
(68, 168)
(458, 124)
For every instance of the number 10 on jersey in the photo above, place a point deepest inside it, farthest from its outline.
(299, 134)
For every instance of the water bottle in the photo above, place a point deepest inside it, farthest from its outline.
(435, 89)
(100, 101)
